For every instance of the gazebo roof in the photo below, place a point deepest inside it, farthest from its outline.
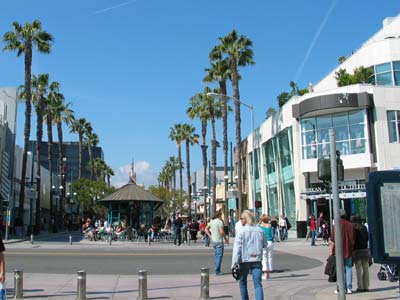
(131, 192)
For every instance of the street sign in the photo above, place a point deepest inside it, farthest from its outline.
(232, 203)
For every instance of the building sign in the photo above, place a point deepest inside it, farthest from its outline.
(346, 191)
(232, 203)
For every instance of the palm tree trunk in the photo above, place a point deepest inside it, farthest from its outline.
(80, 155)
(214, 165)
(204, 153)
(189, 186)
(180, 177)
(50, 159)
(235, 87)
(39, 136)
(27, 127)
(61, 170)
(90, 161)
(222, 85)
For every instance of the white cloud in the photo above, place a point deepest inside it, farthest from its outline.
(144, 174)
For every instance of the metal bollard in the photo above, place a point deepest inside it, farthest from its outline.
(32, 239)
(142, 285)
(70, 239)
(18, 284)
(110, 236)
(81, 285)
(205, 284)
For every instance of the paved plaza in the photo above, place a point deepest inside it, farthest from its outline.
(303, 284)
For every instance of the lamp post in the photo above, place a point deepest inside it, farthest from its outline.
(251, 108)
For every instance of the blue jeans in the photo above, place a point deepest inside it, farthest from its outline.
(255, 268)
(218, 255)
(207, 238)
(313, 234)
(275, 237)
(283, 232)
(348, 262)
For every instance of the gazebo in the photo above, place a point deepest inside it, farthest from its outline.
(131, 203)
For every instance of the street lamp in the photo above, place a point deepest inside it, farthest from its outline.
(251, 108)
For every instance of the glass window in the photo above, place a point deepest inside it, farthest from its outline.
(357, 131)
(343, 147)
(392, 132)
(393, 126)
(324, 122)
(391, 116)
(397, 77)
(340, 119)
(358, 146)
(308, 124)
(396, 65)
(383, 67)
(323, 135)
(323, 149)
(308, 138)
(310, 152)
(357, 116)
(384, 78)
(341, 133)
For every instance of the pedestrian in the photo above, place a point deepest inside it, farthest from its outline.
(265, 225)
(308, 235)
(215, 231)
(178, 224)
(348, 245)
(248, 253)
(361, 254)
(275, 231)
(194, 228)
(206, 237)
(283, 227)
(240, 224)
(325, 232)
(321, 221)
(313, 229)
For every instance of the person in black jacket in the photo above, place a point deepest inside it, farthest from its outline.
(361, 254)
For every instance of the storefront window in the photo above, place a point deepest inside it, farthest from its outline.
(350, 134)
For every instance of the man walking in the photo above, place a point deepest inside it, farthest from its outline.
(215, 231)
(348, 245)
(248, 254)
(178, 223)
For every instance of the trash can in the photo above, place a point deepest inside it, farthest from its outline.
(301, 229)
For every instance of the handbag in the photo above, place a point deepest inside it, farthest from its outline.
(3, 291)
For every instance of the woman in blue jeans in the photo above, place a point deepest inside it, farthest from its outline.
(248, 254)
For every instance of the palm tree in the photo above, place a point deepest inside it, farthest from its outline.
(40, 85)
(238, 49)
(48, 114)
(91, 140)
(62, 114)
(99, 167)
(198, 109)
(108, 172)
(220, 72)
(23, 39)
(176, 135)
(80, 126)
(190, 138)
(214, 107)
(270, 112)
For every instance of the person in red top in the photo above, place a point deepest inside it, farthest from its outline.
(348, 245)
(313, 229)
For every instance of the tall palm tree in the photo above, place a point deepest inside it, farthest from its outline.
(40, 86)
(91, 140)
(23, 39)
(220, 72)
(51, 100)
(176, 135)
(62, 114)
(172, 165)
(214, 106)
(190, 138)
(80, 126)
(238, 50)
(108, 172)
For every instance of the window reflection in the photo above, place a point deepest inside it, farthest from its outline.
(350, 134)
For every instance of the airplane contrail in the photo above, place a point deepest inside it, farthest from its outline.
(113, 7)
(314, 40)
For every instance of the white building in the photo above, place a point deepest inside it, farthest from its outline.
(365, 118)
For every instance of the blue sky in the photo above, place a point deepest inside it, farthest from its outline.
(129, 67)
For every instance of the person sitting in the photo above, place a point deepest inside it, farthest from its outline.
(119, 231)
(88, 229)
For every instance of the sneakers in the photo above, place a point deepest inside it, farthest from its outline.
(349, 291)
(264, 277)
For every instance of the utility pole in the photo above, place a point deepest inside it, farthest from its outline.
(338, 225)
